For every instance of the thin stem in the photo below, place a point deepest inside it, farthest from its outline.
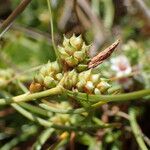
(46, 123)
(110, 98)
(35, 109)
(52, 29)
(43, 138)
(136, 130)
(121, 97)
(108, 13)
(70, 111)
(7, 23)
(30, 107)
(62, 111)
(22, 137)
(31, 116)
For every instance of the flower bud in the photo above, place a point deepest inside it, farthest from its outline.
(59, 76)
(62, 52)
(71, 79)
(79, 55)
(55, 66)
(71, 61)
(44, 71)
(76, 41)
(85, 47)
(73, 51)
(49, 75)
(97, 91)
(80, 85)
(82, 67)
(39, 78)
(103, 86)
(70, 49)
(66, 42)
(89, 87)
(114, 89)
(95, 78)
(35, 87)
(49, 82)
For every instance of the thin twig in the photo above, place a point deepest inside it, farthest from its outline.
(8, 22)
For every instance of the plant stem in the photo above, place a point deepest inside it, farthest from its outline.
(62, 111)
(136, 130)
(22, 137)
(46, 123)
(52, 30)
(7, 23)
(70, 111)
(35, 109)
(110, 98)
(31, 116)
(120, 97)
(34, 96)
(43, 138)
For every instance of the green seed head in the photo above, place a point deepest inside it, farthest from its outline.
(71, 79)
(49, 82)
(76, 42)
(91, 83)
(73, 51)
(49, 75)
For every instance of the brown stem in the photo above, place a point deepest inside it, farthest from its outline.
(72, 140)
(20, 8)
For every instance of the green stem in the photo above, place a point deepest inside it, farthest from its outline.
(34, 96)
(43, 138)
(29, 107)
(62, 111)
(52, 30)
(31, 116)
(121, 97)
(110, 98)
(136, 130)
(45, 123)
(24, 136)
(108, 13)
(35, 109)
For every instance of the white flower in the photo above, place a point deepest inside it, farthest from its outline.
(121, 66)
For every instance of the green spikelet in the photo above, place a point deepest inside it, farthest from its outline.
(49, 75)
(73, 51)
(92, 83)
(71, 79)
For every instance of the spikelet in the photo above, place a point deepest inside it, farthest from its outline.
(73, 51)
(92, 83)
(48, 77)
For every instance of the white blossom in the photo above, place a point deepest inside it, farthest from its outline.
(121, 66)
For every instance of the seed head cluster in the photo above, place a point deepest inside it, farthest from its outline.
(74, 54)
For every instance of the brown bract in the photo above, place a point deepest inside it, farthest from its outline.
(35, 87)
(98, 59)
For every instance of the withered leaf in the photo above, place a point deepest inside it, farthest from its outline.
(98, 59)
